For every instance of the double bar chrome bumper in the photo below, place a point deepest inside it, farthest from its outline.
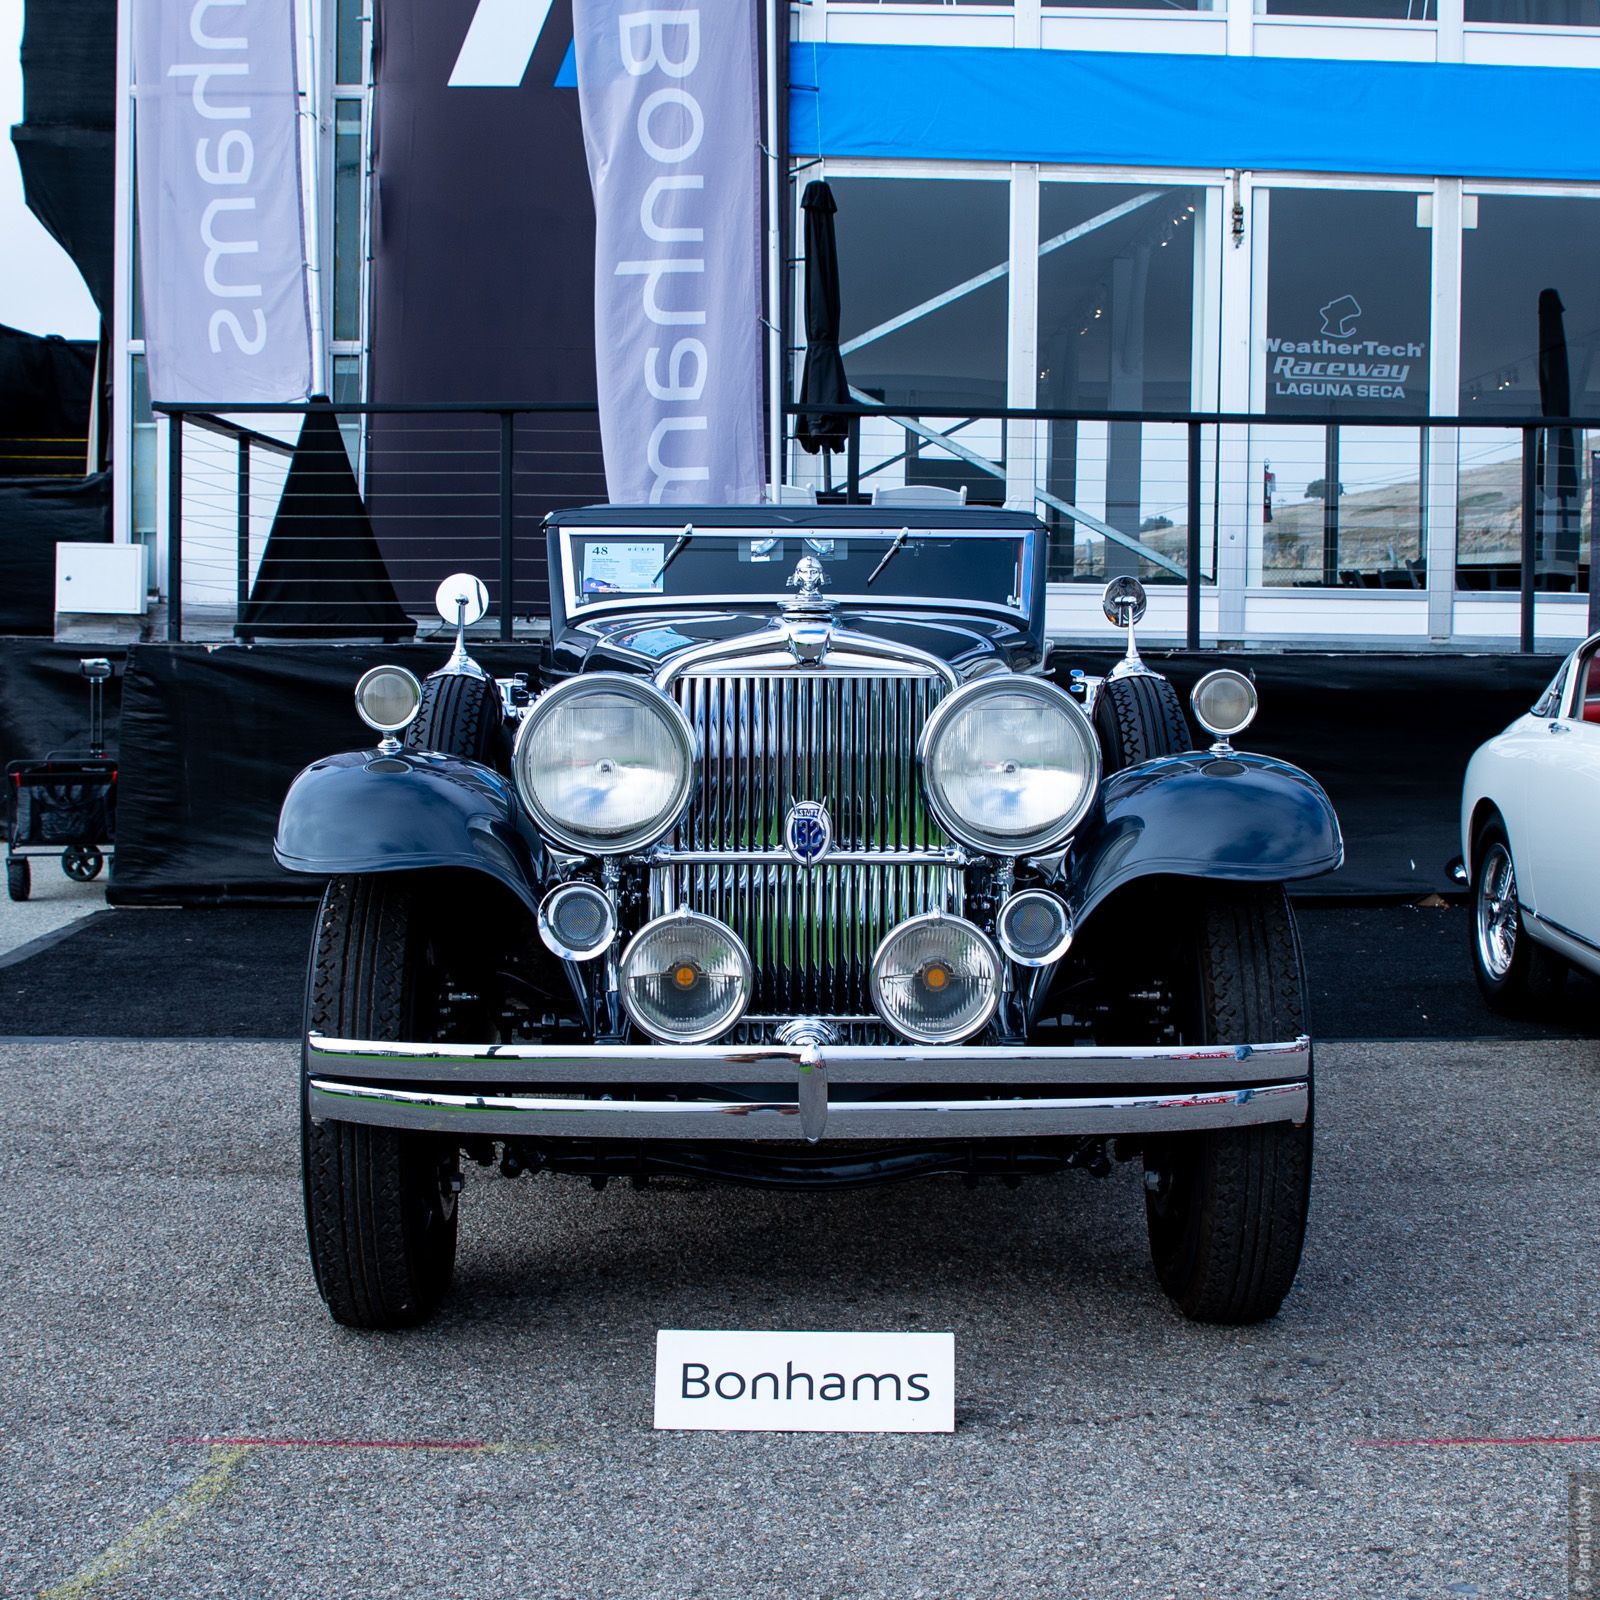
(457, 1089)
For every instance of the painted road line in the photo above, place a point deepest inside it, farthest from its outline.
(1531, 1439)
(116, 1558)
(349, 1444)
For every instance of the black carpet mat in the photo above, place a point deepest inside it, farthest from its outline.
(1375, 972)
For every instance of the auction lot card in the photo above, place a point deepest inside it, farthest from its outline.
(812, 1382)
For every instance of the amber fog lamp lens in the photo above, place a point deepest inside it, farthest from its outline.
(686, 978)
(1224, 702)
(388, 699)
(936, 979)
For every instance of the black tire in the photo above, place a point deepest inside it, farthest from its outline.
(19, 878)
(381, 1217)
(82, 863)
(1139, 718)
(460, 716)
(1227, 1209)
(1516, 975)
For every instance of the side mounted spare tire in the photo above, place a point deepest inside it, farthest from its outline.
(1139, 718)
(460, 716)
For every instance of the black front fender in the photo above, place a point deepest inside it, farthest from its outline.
(366, 812)
(1245, 818)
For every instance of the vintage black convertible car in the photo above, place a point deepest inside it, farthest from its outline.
(804, 862)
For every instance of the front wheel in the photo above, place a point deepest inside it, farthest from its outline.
(380, 1203)
(1226, 1209)
(19, 878)
(1515, 974)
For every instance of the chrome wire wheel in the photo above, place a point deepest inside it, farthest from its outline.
(1496, 912)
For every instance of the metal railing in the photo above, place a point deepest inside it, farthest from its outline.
(441, 486)
(1381, 494)
(1214, 502)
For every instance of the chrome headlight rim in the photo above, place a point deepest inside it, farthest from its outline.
(646, 693)
(923, 1035)
(988, 841)
(680, 918)
(387, 669)
(1216, 728)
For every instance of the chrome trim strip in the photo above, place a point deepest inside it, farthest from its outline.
(572, 1117)
(767, 651)
(934, 856)
(1565, 932)
(666, 1065)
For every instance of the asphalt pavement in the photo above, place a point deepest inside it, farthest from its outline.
(182, 1419)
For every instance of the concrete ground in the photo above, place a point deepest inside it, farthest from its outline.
(181, 1417)
(54, 902)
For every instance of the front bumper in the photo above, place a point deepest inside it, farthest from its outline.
(669, 1092)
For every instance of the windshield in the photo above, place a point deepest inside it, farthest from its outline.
(713, 563)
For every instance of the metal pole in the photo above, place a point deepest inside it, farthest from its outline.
(1594, 542)
(243, 514)
(507, 562)
(1530, 513)
(175, 528)
(777, 191)
(1330, 506)
(1192, 575)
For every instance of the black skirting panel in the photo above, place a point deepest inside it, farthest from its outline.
(210, 739)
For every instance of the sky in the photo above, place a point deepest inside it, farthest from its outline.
(40, 289)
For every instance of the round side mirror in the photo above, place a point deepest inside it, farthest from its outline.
(461, 587)
(1123, 601)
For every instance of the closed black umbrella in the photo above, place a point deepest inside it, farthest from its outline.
(1555, 400)
(824, 382)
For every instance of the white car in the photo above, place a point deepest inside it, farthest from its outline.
(1529, 797)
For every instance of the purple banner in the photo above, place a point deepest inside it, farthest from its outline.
(221, 232)
(670, 123)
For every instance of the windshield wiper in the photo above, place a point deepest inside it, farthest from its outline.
(676, 550)
(889, 555)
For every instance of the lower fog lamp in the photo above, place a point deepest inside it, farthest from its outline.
(1034, 928)
(686, 978)
(576, 921)
(936, 979)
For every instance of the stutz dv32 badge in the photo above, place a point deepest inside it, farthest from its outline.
(808, 832)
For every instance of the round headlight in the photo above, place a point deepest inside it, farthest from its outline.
(936, 979)
(1034, 928)
(605, 763)
(388, 698)
(1010, 764)
(1224, 702)
(686, 978)
(576, 921)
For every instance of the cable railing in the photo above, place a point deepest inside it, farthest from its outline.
(338, 521)
(1243, 508)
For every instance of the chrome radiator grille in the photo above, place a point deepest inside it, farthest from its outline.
(849, 741)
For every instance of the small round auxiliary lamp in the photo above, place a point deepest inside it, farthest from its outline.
(1225, 704)
(388, 700)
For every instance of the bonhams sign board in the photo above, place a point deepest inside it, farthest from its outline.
(222, 244)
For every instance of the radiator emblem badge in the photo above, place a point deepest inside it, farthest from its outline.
(808, 832)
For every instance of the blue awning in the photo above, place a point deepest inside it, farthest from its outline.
(1262, 113)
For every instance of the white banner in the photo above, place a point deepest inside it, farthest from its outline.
(668, 95)
(221, 230)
